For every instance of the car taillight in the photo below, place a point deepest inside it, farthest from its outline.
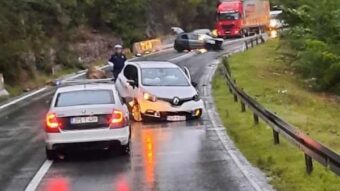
(52, 123)
(118, 120)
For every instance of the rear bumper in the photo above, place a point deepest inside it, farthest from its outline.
(162, 109)
(121, 135)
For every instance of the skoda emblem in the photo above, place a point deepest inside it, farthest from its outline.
(175, 101)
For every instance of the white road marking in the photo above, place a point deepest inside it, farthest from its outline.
(33, 185)
(182, 57)
(22, 98)
(243, 168)
(236, 160)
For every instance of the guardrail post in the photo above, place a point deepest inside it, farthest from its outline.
(235, 97)
(309, 164)
(276, 137)
(243, 107)
(247, 46)
(252, 43)
(257, 40)
(262, 40)
(230, 90)
(256, 119)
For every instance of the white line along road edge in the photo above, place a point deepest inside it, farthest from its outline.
(22, 98)
(33, 185)
(103, 67)
(68, 78)
(256, 179)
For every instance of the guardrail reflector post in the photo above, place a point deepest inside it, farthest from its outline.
(276, 137)
(256, 119)
(309, 164)
(262, 40)
(243, 107)
(235, 98)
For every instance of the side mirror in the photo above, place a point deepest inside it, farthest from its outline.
(132, 83)
(194, 84)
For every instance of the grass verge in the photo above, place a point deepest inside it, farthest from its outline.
(269, 80)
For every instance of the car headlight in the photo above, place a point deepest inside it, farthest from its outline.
(214, 33)
(210, 41)
(273, 23)
(201, 37)
(197, 97)
(150, 97)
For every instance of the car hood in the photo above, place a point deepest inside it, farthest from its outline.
(171, 92)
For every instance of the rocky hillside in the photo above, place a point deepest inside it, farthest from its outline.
(39, 36)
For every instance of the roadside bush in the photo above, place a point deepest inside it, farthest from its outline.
(314, 28)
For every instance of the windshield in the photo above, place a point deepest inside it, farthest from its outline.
(163, 77)
(84, 97)
(228, 16)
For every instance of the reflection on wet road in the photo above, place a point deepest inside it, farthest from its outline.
(164, 156)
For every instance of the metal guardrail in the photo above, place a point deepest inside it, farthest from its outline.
(312, 149)
(256, 40)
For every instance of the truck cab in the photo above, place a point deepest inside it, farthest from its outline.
(237, 18)
(229, 19)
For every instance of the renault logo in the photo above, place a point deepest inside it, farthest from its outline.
(176, 101)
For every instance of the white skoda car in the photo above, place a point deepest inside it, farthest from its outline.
(159, 90)
(87, 116)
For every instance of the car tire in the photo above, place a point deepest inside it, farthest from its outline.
(209, 46)
(136, 113)
(178, 48)
(50, 154)
(125, 149)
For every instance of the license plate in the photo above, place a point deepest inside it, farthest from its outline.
(83, 120)
(176, 118)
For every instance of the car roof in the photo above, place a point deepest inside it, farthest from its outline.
(97, 86)
(155, 64)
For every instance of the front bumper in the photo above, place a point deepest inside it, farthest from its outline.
(121, 135)
(162, 109)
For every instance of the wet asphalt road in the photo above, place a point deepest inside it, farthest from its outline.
(164, 156)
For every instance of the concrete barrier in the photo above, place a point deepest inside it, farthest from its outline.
(3, 91)
(148, 46)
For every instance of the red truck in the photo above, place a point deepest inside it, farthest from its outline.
(237, 18)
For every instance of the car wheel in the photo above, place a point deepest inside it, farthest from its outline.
(179, 48)
(125, 149)
(209, 46)
(50, 154)
(136, 113)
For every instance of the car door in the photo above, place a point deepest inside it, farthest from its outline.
(134, 76)
(194, 41)
(183, 40)
(122, 84)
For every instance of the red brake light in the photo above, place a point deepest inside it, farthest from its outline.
(117, 119)
(52, 123)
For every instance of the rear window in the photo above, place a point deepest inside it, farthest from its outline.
(84, 97)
